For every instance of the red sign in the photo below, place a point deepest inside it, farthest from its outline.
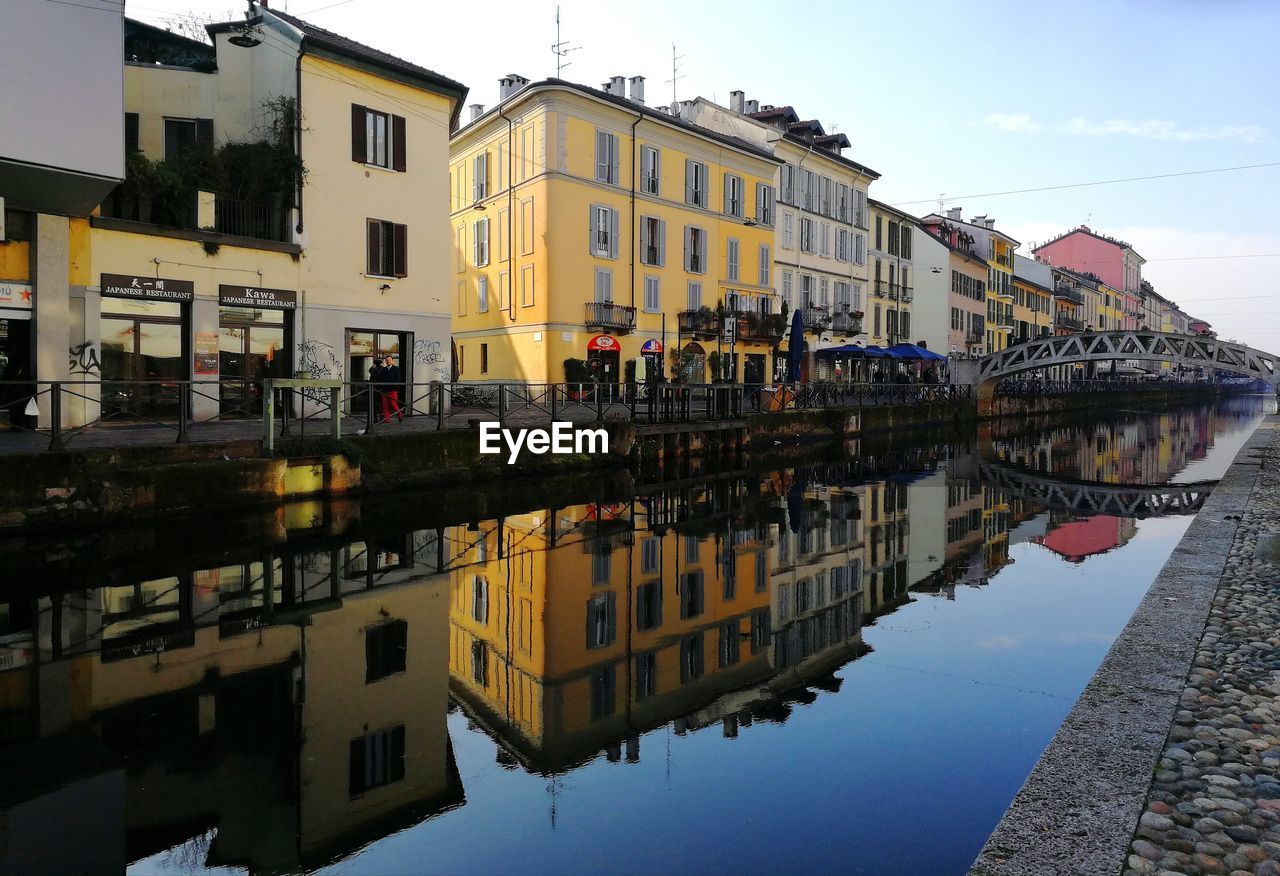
(602, 342)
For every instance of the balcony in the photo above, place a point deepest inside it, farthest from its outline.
(1066, 293)
(703, 322)
(975, 338)
(607, 315)
(816, 317)
(753, 326)
(1070, 323)
(892, 291)
(849, 323)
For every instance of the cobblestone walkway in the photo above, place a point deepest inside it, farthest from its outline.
(1214, 804)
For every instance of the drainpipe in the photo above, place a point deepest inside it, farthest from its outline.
(635, 238)
(297, 121)
(511, 193)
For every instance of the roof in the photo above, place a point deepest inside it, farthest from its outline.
(960, 251)
(881, 205)
(320, 38)
(774, 112)
(975, 225)
(633, 107)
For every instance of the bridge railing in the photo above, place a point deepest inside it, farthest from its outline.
(1034, 386)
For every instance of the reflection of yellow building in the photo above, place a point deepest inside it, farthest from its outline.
(572, 631)
(579, 213)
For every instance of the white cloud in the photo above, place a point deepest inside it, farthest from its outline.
(1162, 129)
(1018, 122)
(1147, 129)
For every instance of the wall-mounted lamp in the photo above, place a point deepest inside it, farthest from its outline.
(750, 223)
(477, 206)
(384, 288)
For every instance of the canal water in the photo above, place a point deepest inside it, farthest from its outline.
(844, 662)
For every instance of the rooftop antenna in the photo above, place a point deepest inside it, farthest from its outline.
(942, 200)
(675, 71)
(560, 48)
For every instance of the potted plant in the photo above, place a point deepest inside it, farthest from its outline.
(576, 373)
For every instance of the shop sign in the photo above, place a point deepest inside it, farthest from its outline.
(651, 346)
(150, 288)
(603, 342)
(15, 295)
(206, 348)
(256, 296)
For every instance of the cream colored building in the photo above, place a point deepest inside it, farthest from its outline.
(892, 275)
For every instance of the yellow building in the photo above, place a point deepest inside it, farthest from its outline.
(678, 224)
(998, 249)
(892, 275)
(282, 212)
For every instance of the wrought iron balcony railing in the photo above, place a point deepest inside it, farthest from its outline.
(606, 314)
(698, 322)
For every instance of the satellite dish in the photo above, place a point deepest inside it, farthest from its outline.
(675, 107)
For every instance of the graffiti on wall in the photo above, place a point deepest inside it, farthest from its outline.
(429, 355)
(318, 359)
(83, 359)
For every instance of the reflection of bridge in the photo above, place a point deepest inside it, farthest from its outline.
(1122, 500)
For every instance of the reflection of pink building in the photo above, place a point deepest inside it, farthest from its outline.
(1077, 539)
(1114, 262)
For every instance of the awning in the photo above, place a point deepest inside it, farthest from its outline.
(651, 346)
(853, 351)
(603, 342)
(912, 351)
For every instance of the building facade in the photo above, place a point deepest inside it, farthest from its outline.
(675, 273)
(1115, 263)
(966, 277)
(997, 249)
(1033, 308)
(892, 275)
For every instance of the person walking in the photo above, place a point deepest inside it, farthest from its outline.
(390, 378)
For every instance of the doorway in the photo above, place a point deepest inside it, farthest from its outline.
(144, 358)
(253, 345)
(364, 348)
(17, 384)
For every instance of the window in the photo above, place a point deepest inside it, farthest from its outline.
(484, 358)
(787, 280)
(765, 266)
(733, 200)
(650, 554)
(653, 241)
(604, 285)
(843, 253)
(905, 245)
(646, 675)
(182, 134)
(828, 191)
(650, 169)
(824, 239)
(377, 138)
(131, 133)
(859, 249)
(759, 630)
(601, 567)
(695, 250)
(603, 690)
(376, 760)
(732, 259)
(806, 235)
(811, 194)
(479, 584)
(480, 177)
(787, 189)
(694, 298)
(788, 231)
(604, 232)
(692, 601)
(482, 294)
(692, 548)
(842, 202)
(893, 238)
(479, 663)
(601, 628)
(480, 243)
(652, 294)
(730, 645)
(860, 208)
(696, 188)
(764, 203)
(384, 650)
(691, 658)
(879, 234)
(607, 157)
(387, 250)
(649, 606)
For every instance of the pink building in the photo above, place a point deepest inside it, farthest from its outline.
(1113, 261)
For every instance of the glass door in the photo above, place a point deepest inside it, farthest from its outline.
(252, 347)
(143, 360)
(366, 351)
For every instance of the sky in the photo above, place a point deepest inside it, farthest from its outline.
(954, 100)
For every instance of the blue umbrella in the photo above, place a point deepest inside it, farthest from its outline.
(795, 346)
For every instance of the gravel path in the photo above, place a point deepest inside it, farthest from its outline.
(1214, 804)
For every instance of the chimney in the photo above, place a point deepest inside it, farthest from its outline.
(477, 110)
(510, 84)
(737, 101)
(990, 223)
(753, 106)
(637, 89)
(615, 86)
(954, 214)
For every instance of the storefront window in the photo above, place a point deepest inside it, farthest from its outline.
(364, 349)
(252, 346)
(143, 357)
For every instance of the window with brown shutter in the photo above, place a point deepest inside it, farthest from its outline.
(357, 133)
(131, 132)
(388, 249)
(398, 143)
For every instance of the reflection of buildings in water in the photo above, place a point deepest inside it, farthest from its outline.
(1146, 450)
(276, 713)
(1075, 538)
